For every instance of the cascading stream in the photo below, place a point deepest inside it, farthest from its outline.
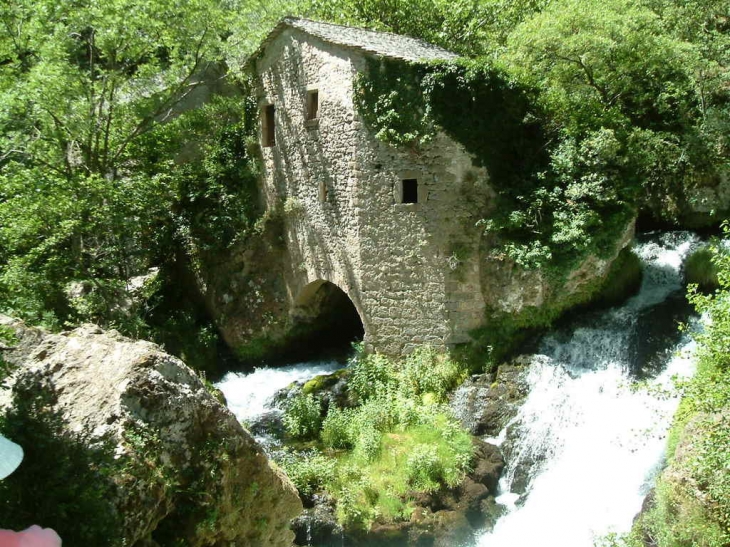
(249, 395)
(594, 441)
(590, 440)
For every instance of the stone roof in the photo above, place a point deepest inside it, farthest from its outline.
(386, 44)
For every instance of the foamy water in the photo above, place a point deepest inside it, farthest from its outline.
(598, 439)
(248, 394)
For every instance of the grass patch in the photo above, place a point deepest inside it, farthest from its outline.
(398, 440)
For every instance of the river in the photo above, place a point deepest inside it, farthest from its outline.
(595, 419)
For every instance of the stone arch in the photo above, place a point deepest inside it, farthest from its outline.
(327, 315)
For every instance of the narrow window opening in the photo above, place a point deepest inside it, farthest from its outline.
(410, 191)
(268, 125)
(312, 104)
(323, 192)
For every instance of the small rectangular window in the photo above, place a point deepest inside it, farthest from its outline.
(410, 191)
(268, 125)
(312, 104)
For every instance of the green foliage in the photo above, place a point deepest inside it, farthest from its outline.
(105, 170)
(308, 470)
(371, 375)
(699, 269)
(427, 372)
(400, 412)
(559, 198)
(634, 69)
(591, 111)
(65, 479)
(336, 429)
(303, 418)
(423, 468)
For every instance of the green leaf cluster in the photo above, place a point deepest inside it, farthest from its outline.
(397, 437)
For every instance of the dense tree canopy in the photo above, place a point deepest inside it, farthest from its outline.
(115, 159)
(632, 98)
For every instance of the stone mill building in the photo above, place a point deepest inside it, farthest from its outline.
(393, 228)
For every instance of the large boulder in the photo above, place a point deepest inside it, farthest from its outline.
(191, 474)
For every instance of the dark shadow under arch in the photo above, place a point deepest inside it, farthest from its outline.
(325, 322)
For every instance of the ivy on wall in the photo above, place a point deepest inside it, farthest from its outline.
(559, 197)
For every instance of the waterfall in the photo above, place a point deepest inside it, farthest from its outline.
(586, 444)
(591, 439)
(250, 395)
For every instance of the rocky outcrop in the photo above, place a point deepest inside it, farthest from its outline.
(485, 403)
(509, 289)
(191, 473)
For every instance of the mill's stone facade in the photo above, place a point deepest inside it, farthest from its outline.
(411, 269)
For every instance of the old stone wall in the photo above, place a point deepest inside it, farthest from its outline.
(411, 269)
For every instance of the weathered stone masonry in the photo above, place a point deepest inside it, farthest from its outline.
(341, 190)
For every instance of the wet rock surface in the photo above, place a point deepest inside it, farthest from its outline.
(485, 403)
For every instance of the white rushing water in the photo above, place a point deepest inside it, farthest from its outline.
(249, 394)
(598, 441)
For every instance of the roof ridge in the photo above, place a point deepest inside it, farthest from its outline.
(413, 49)
(379, 32)
(366, 29)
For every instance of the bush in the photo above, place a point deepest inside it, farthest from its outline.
(424, 468)
(371, 376)
(367, 444)
(303, 418)
(399, 438)
(700, 269)
(426, 371)
(309, 471)
(337, 429)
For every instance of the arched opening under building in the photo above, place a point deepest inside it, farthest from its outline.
(325, 322)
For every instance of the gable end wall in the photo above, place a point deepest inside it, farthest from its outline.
(412, 270)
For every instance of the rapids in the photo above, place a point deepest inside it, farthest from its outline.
(592, 436)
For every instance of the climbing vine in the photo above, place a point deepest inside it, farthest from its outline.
(559, 197)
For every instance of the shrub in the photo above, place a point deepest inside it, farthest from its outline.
(353, 505)
(303, 418)
(700, 269)
(426, 371)
(371, 376)
(399, 438)
(309, 471)
(424, 468)
(337, 429)
(367, 444)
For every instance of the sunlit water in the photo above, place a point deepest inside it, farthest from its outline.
(249, 394)
(599, 439)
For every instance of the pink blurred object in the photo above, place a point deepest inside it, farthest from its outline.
(35, 536)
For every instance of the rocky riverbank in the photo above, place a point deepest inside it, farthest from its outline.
(179, 468)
